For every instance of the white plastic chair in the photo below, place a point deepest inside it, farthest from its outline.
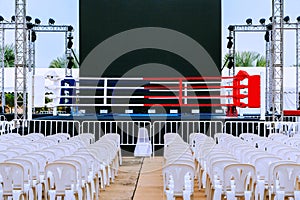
(13, 175)
(65, 178)
(143, 147)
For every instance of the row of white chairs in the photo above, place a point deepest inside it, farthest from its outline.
(272, 172)
(58, 154)
(179, 167)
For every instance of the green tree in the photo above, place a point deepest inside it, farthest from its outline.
(9, 100)
(9, 55)
(248, 59)
(61, 62)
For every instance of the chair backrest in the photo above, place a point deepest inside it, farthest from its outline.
(262, 165)
(143, 136)
(13, 177)
(178, 172)
(287, 175)
(240, 173)
(64, 175)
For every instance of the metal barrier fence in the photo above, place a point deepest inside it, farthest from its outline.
(49, 127)
(262, 128)
(128, 130)
(184, 129)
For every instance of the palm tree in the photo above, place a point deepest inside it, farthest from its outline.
(9, 56)
(248, 59)
(60, 62)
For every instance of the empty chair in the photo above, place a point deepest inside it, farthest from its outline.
(143, 146)
(13, 175)
(239, 181)
(65, 177)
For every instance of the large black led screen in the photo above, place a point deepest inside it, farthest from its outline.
(198, 19)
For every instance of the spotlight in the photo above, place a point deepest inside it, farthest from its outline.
(70, 28)
(286, 19)
(249, 21)
(70, 63)
(271, 18)
(37, 21)
(1, 19)
(230, 63)
(33, 36)
(230, 43)
(262, 21)
(231, 28)
(70, 43)
(298, 19)
(51, 21)
(269, 27)
(267, 36)
(28, 18)
(29, 25)
(13, 18)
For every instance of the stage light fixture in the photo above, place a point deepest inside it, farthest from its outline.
(286, 19)
(271, 19)
(231, 28)
(267, 36)
(70, 42)
(262, 21)
(28, 18)
(249, 21)
(37, 21)
(33, 36)
(51, 21)
(230, 43)
(29, 25)
(230, 63)
(298, 19)
(70, 63)
(269, 27)
(70, 28)
(1, 19)
(13, 18)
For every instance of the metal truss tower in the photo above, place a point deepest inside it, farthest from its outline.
(277, 56)
(20, 91)
(2, 51)
(297, 64)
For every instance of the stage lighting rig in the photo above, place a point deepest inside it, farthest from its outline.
(28, 18)
(230, 63)
(37, 21)
(249, 21)
(70, 63)
(230, 43)
(33, 36)
(70, 42)
(267, 36)
(29, 25)
(262, 21)
(269, 27)
(231, 28)
(286, 19)
(51, 21)
(70, 28)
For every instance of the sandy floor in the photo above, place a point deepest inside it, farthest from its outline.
(140, 179)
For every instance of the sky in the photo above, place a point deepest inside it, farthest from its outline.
(65, 12)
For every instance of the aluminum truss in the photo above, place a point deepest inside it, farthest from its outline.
(2, 65)
(269, 56)
(20, 62)
(277, 56)
(30, 51)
